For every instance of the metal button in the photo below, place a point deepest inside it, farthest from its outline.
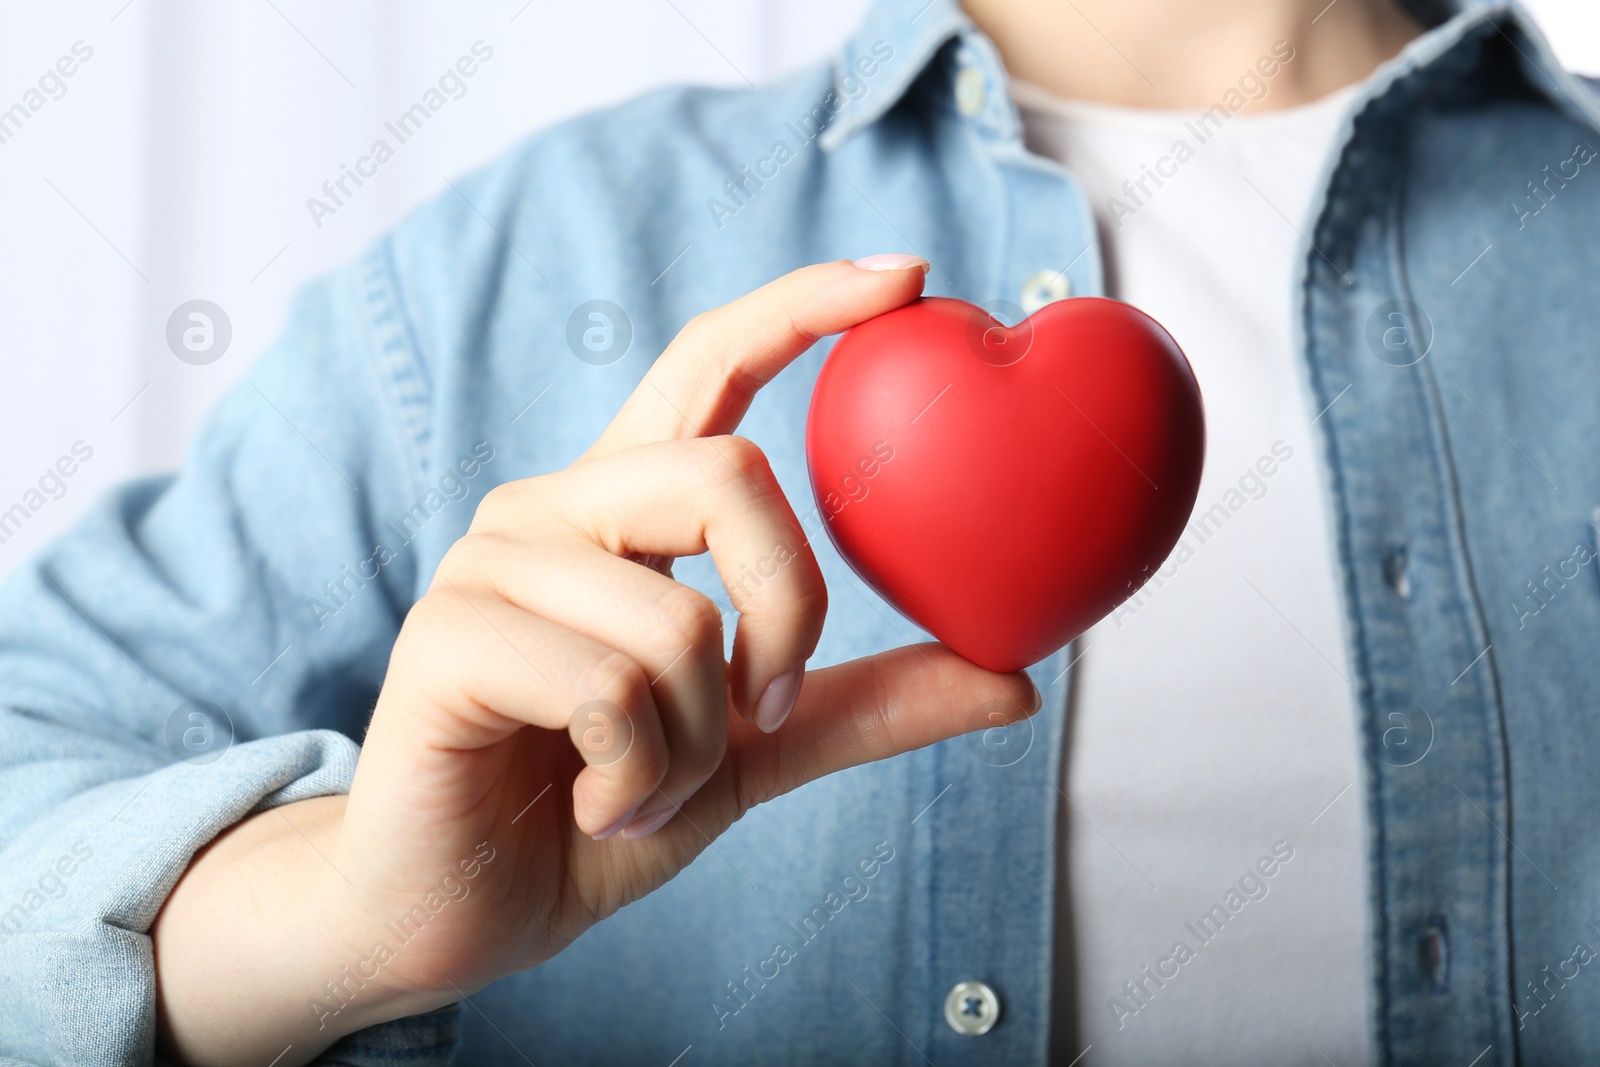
(972, 1008)
(1043, 288)
(971, 92)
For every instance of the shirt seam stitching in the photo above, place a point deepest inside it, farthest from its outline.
(397, 361)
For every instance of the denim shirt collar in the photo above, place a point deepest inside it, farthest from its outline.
(915, 31)
(918, 30)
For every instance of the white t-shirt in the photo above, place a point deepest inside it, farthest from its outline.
(1211, 773)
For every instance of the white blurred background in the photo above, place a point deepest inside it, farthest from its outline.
(177, 163)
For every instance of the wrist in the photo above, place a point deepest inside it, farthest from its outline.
(361, 977)
(253, 944)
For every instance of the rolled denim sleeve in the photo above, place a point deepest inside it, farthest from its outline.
(198, 648)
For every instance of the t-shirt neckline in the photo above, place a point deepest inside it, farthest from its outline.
(1156, 121)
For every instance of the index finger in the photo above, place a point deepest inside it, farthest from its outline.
(703, 383)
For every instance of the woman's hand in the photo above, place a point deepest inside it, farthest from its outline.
(559, 733)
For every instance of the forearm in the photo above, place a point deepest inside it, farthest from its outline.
(255, 947)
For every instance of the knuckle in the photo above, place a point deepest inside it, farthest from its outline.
(504, 501)
(499, 499)
(618, 679)
(433, 615)
(787, 618)
(700, 761)
(689, 619)
(743, 462)
(815, 599)
(871, 715)
(752, 790)
(699, 330)
(473, 553)
(429, 639)
(798, 331)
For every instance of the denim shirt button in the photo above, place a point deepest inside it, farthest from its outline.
(1045, 287)
(1394, 571)
(972, 1008)
(1435, 948)
(971, 92)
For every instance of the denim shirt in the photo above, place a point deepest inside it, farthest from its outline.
(210, 644)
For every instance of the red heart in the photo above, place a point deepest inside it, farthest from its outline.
(1006, 488)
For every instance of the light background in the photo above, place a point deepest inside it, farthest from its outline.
(177, 166)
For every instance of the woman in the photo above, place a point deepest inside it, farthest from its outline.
(1327, 780)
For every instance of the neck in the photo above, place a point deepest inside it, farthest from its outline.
(1183, 54)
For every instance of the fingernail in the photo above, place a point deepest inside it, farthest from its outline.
(892, 261)
(645, 825)
(1038, 697)
(777, 700)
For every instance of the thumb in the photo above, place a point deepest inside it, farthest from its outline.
(876, 707)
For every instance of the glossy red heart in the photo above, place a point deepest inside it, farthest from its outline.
(1006, 488)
